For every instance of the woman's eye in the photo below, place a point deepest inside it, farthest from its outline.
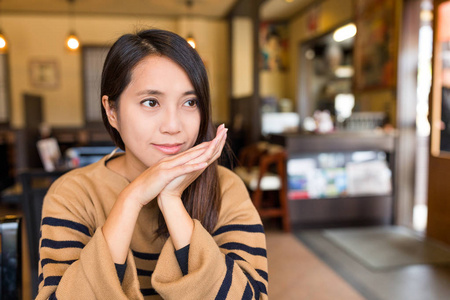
(191, 103)
(150, 103)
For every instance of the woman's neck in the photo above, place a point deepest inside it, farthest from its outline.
(126, 166)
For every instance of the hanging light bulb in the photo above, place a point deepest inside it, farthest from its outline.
(72, 42)
(3, 43)
(190, 38)
(191, 41)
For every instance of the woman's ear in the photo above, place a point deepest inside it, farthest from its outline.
(110, 112)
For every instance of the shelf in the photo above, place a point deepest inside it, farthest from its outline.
(346, 210)
(343, 141)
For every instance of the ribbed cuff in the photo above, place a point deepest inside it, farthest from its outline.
(183, 259)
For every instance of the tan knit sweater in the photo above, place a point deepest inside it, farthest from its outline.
(75, 262)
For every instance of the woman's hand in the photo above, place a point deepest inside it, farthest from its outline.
(175, 172)
(178, 221)
(212, 151)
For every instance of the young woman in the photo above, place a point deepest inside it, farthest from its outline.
(161, 219)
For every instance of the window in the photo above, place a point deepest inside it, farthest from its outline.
(4, 89)
(93, 59)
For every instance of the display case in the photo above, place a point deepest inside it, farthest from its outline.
(340, 179)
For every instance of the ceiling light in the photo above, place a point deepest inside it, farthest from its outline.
(191, 41)
(72, 42)
(190, 38)
(3, 43)
(345, 32)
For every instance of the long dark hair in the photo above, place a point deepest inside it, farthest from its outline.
(202, 198)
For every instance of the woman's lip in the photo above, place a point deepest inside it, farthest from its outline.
(168, 148)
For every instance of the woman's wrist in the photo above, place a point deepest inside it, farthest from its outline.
(131, 197)
(119, 226)
(168, 202)
(178, 221)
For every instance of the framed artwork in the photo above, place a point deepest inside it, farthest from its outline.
(375, 46)
(44, 73)
(440, 134)
(273, 40)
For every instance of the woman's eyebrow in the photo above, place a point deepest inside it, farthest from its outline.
(192, 92)
(158, 93)
(150, 92)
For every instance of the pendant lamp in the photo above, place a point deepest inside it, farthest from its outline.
(190, 37)
(72, 42)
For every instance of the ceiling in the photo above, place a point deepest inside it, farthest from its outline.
(209, 8)
(282, 10)
(271, 9)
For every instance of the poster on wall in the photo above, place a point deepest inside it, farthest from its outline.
(442, 73)
(273, 40)
(375, 44)
(44, 73)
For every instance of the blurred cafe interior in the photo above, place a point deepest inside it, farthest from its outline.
(338, 115)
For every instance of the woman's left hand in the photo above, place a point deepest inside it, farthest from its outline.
(214, 148)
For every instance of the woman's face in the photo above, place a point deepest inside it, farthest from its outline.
(158, 112)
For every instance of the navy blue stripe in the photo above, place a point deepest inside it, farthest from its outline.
(226, 283)
(262, 287)
(257, 285)
(239, 227)
(148, 292)
(40, 278)
(254, 285)
(52, 261)
(61, 244)
(234, 256)
(263, 274)
(248, 293)
(52, 296)
(146, 256)
(243, 247)
(66, 223)
(52, 280)
(142, 272)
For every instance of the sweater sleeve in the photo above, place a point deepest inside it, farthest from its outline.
(75, 261)
(231, 263)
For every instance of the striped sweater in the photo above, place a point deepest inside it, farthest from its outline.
(75, 262)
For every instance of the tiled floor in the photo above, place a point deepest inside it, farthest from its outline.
(413, 282)
(296, 273)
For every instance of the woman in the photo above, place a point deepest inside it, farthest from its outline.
(162, 219)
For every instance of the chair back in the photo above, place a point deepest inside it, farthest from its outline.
(263, 169)
(277, 160)
(10, 258)
(32, 199)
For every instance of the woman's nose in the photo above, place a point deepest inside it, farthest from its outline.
(170, 122)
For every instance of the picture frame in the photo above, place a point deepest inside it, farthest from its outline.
(375, 44)
(44, 73)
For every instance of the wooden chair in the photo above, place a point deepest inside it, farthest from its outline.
(263, 170)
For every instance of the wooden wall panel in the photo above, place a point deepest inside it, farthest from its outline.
(439, 199)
